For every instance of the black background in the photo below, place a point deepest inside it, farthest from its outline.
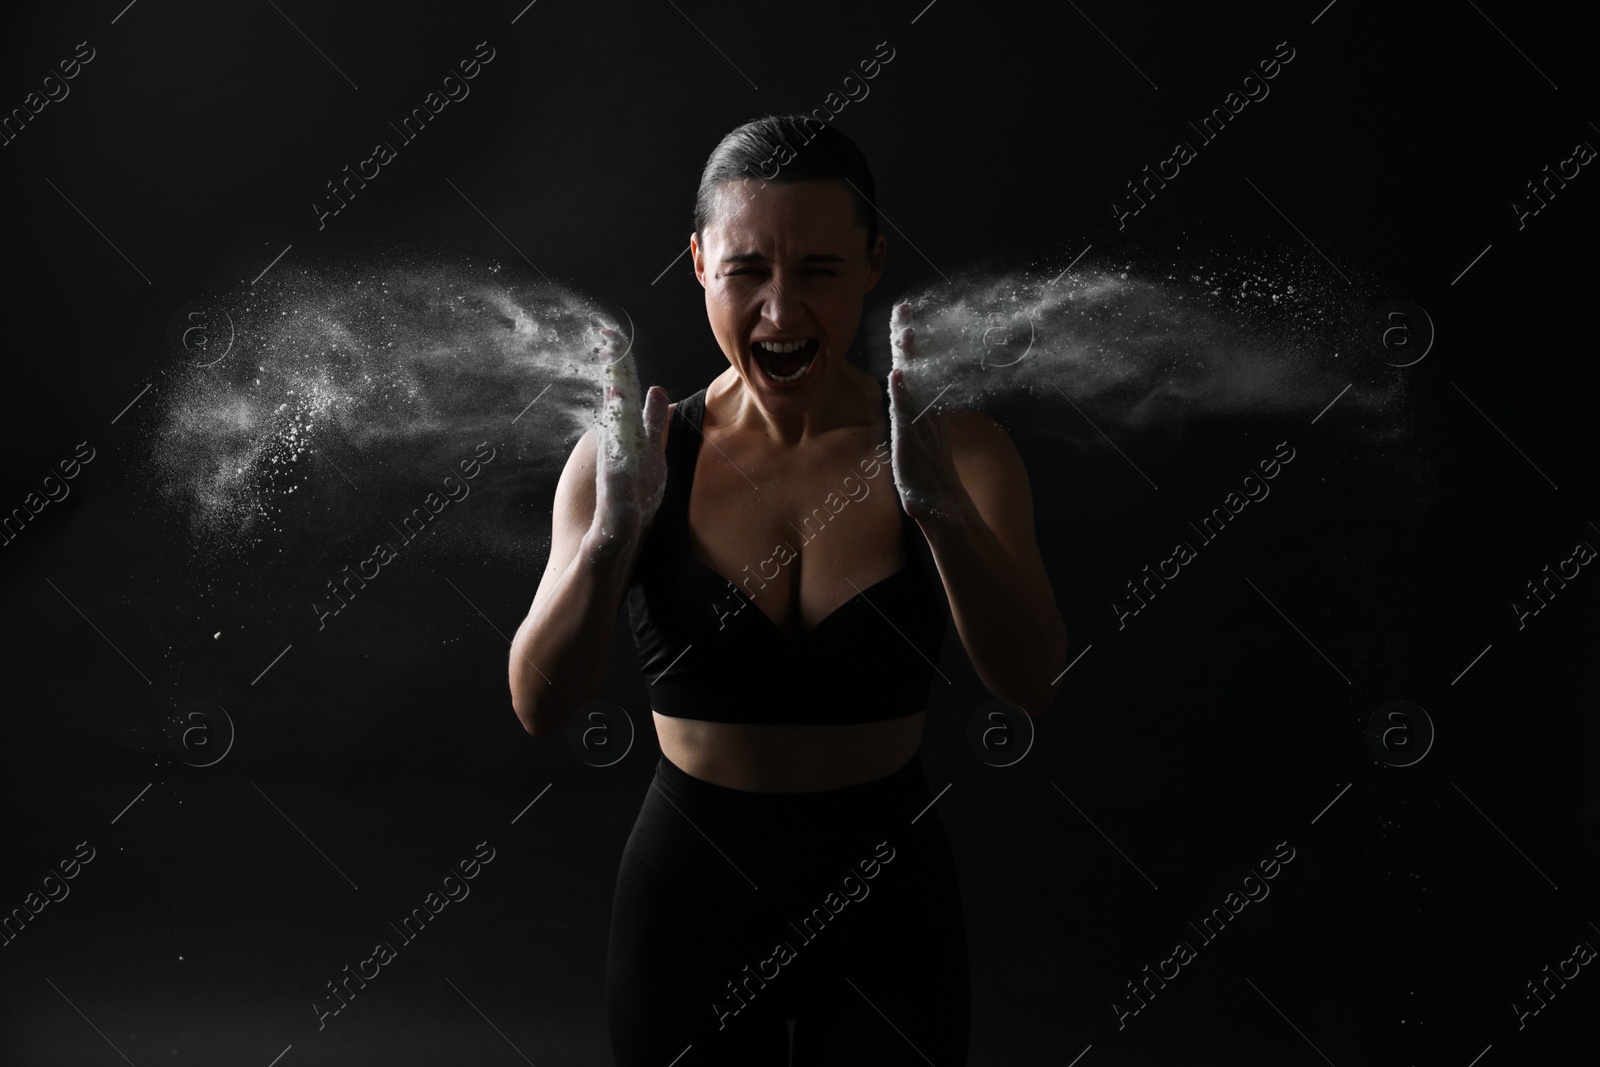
(1196, 739)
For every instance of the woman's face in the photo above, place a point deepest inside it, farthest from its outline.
(783, 263)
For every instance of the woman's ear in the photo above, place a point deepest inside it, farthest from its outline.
(699, 261)
(875, 261)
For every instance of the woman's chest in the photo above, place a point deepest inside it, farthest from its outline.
(798, 534)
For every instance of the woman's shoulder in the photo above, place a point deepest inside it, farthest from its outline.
(698, 397)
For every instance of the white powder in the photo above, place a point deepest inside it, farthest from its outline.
(1217, 334)
(350, 391)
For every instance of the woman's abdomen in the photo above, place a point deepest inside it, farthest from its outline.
(766, 758)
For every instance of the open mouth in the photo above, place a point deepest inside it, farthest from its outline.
(785, 363)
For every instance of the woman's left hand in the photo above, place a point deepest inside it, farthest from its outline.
(924, 465)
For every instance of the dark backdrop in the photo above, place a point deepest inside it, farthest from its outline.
(1423, 894)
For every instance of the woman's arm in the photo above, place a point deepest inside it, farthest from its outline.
(558, 655)
(983, 542)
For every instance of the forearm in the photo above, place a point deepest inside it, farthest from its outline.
(1009, 625)
(558, 655)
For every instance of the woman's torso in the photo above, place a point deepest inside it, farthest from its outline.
(746, 491)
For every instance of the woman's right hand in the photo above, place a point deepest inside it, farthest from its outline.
(630, 468)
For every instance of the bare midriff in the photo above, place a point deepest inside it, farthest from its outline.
(781, 758)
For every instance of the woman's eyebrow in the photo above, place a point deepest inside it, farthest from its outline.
(758, 257)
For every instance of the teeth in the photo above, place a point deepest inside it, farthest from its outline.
(799, 372)
(780, 348)
(796, 376)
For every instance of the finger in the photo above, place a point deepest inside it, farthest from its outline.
(655, 465)
(902, 399)
(655, 417)
(903, 340)
(901, 336)
(606, 341)
(916, 417)
(621, 419)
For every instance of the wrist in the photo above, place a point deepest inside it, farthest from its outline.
(951, 515)
(609, 544)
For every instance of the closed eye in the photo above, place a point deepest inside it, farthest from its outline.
(813, 270)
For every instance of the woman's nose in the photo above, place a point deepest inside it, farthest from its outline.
(780, 305)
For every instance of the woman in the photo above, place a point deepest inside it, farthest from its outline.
(786, 864)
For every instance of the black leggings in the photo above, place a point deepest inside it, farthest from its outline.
(736, 911)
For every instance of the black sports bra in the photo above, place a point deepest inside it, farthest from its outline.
(708, 652)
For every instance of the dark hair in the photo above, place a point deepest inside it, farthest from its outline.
(816, 151)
